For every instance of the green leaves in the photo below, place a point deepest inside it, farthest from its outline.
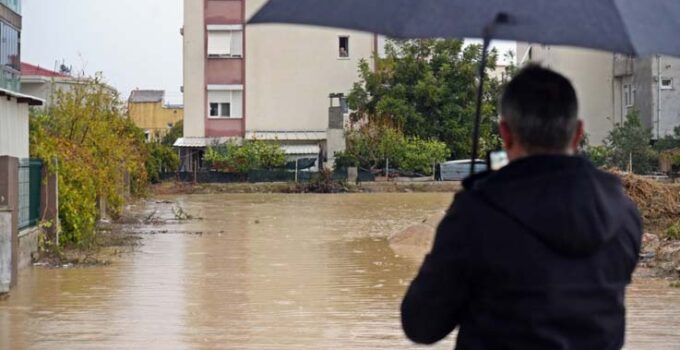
(95, 145)
(370, 146)
(427, 89)
(630, 141)
(252, 155)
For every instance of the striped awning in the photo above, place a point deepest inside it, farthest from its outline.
(286, 135)
(202, 142)
(296, 150)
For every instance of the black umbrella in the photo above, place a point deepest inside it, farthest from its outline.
(633, 27)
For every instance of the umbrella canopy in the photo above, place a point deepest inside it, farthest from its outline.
(635, 27)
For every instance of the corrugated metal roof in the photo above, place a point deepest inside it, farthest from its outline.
(22, 98)
(301, 149)
(201, 142)
(141, 96)
(286, 135)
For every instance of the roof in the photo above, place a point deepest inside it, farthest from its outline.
(201, 142)
(142, 96)
(29, 69)
(21, 98)
(286, 135)
(301, 149)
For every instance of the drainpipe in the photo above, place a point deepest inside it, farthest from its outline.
(658, 95)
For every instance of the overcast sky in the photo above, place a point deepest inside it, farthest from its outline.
(135, 43)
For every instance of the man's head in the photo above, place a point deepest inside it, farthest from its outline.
(539, 114)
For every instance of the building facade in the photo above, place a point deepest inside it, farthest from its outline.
(13, 104)
(267, 81)
(15, 169)
(609, 86)
(147, 109)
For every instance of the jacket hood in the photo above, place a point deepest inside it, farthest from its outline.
(563, 200)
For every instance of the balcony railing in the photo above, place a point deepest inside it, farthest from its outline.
(14, 5)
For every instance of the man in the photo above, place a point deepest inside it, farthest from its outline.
(538, 254)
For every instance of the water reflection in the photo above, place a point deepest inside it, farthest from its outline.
(259, 272)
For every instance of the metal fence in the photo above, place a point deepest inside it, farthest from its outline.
(274, 175)
(29, 192)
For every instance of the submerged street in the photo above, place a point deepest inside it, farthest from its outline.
(259, 271)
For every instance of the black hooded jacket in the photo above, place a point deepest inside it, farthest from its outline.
(534, 256)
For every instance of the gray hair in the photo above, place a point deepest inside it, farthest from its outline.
(540, 108)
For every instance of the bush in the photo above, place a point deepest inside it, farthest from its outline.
(252, 155)
(371, 146)
(162, 158)
(345, 160)
(95, 145)
(673, 232)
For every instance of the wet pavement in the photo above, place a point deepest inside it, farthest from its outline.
(260, 271)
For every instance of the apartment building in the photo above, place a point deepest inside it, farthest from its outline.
(609, 86)
(267, 82)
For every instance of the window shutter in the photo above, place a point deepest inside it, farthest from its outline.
(236, 104)
(237, 43)
(219, 43)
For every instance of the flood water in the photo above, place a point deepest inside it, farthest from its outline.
(260, 272)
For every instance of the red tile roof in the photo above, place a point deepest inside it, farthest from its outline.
(29, 69)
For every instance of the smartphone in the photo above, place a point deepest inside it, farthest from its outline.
(497, 160)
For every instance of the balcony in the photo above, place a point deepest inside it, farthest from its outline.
(14, 5)
(10, 79)
(623, 65)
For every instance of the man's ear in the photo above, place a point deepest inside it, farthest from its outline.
(506, 135)
(578, 136)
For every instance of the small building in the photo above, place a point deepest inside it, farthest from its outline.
(147, 109)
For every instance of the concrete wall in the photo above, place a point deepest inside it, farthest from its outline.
(290, 70)
(13, 128)
(5, 249)
(669, 100)
(154, 117)
(591, 72)
(194, 68)
(28, 244)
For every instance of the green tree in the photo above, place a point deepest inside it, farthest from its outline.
(631, 141)
(428, 89)
(161, 159)
(176, 132)
(95, 145)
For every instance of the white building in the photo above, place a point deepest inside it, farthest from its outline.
(609, 86)
(266, 81)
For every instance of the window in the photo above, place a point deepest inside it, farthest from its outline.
(225, 41)
(666, 84)
(225, 103)
(343, 47)
(628, 95)
(9, 47)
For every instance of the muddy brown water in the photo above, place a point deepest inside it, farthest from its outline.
(260, 272)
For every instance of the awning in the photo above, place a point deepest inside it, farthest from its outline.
(286, 135)
(296, 150)
(21, 98)
(202, 142)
